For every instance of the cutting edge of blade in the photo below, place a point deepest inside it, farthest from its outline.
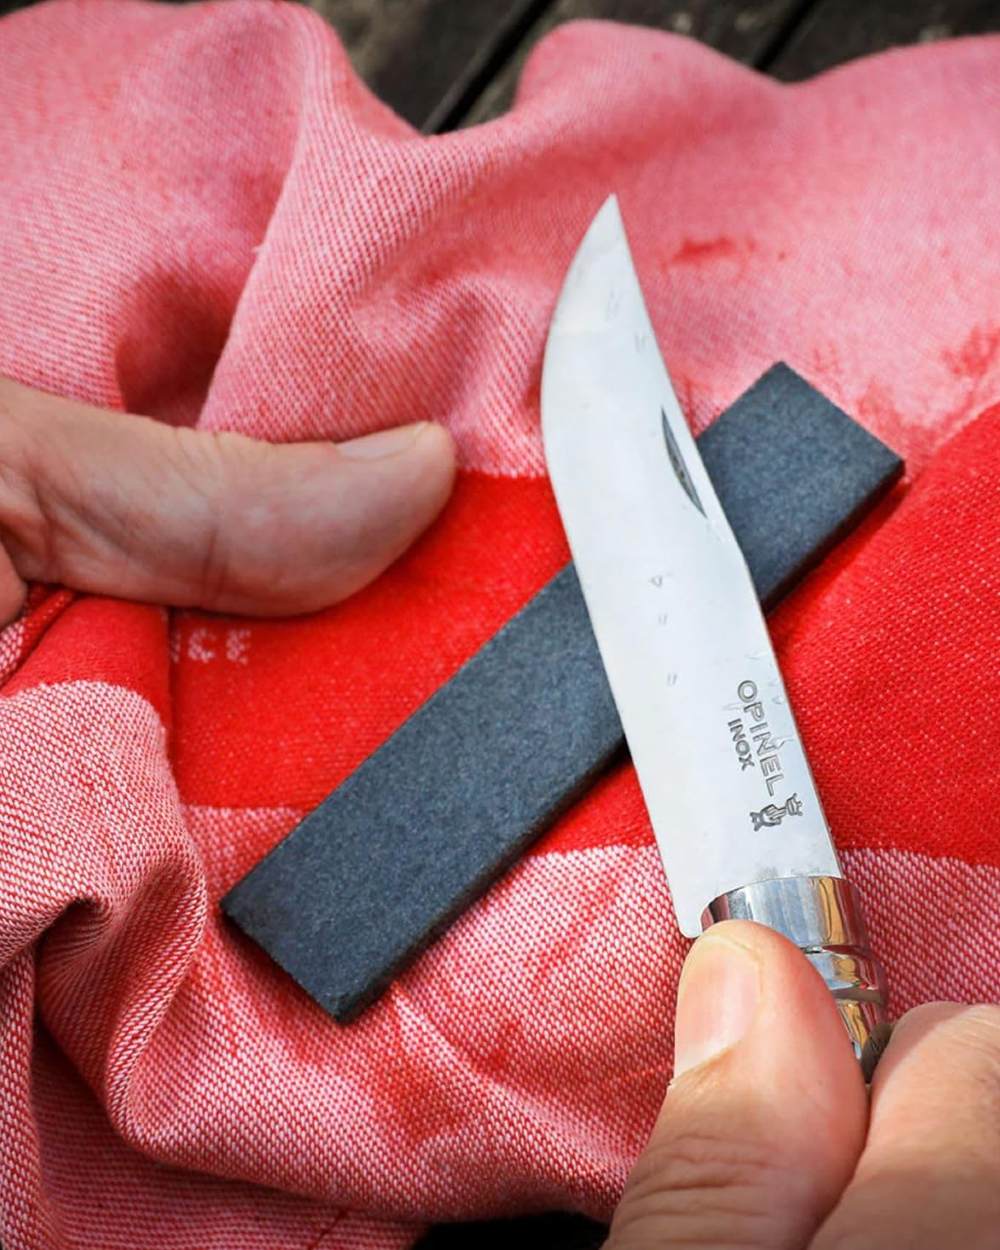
(606, 230)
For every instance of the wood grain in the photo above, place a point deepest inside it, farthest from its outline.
(427, 58)
(834, 31)
(744, 31)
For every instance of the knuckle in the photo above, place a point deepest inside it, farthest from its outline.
(202, 463)
(861, 1212)
(967, 1043)
(700, 1188)
(980, 1027)
(975, 1055)
(913, 1207)
(710, 1161)
(976, 1041)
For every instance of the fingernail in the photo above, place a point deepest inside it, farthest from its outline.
(716, 1000)
(382, 442)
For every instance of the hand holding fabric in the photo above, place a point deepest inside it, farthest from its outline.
(126, 506)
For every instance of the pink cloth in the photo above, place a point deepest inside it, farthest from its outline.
(207, 217)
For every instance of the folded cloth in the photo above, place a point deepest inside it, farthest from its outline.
(208, 218)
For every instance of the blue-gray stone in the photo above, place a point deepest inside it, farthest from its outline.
(484, 766)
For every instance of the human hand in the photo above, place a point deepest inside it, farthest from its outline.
(765, 1141)
(127, 506)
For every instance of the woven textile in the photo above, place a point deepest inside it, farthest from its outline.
(206, 217)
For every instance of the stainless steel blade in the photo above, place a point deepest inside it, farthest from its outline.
(687, 653)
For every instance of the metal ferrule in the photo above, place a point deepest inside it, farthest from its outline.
(822, 916)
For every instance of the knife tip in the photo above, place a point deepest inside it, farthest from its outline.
(610, 210)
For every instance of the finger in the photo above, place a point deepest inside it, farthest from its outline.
(930, 1173)
(12, 589)
(765, 1118)
(127, 506)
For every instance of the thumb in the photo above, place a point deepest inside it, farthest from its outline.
(765, 1118)
(127, 506)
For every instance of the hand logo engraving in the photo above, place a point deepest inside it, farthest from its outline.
(773, 814)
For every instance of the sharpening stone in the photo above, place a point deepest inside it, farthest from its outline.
(485, 765)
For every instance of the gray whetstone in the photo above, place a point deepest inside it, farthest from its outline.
(483, 767)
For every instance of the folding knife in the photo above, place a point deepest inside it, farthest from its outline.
(712, 735)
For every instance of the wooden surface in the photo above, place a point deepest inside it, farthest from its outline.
(430, 59)
(833, 31)
(448, 63)
(743, 31)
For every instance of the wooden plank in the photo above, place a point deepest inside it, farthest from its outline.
(744, 31)
(427, 58)
(834, 31)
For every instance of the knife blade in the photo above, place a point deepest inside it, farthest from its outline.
(729, 791)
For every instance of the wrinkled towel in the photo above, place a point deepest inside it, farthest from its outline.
(207, 217)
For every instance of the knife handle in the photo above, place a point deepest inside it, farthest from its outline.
(822, 916)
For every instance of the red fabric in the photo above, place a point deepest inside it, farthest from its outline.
(208, 218)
